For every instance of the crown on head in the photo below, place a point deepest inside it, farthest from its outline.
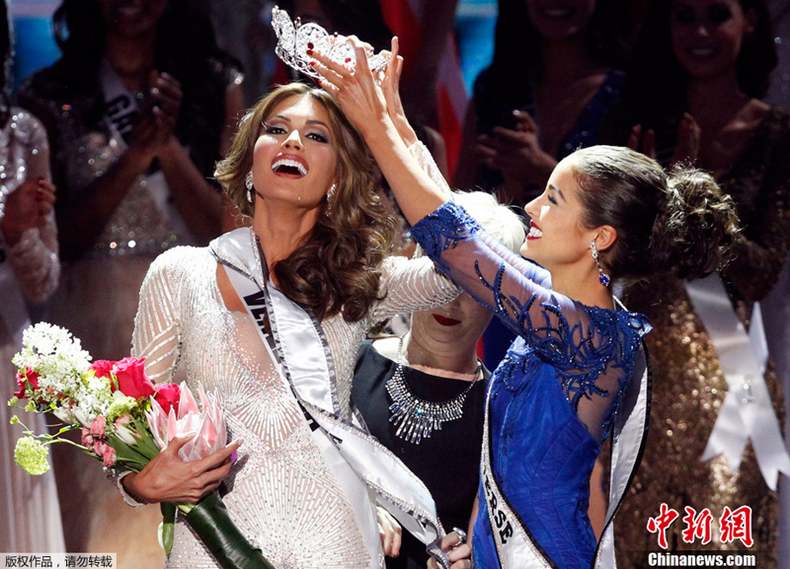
(295, 38)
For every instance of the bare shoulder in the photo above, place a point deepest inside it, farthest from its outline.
(229, 297)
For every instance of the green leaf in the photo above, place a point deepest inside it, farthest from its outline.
(126, 452)
(168, 526)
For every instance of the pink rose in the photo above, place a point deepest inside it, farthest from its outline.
(23, 378)
(167, 395)
(98, 426)
(103, 368)
(122, 421)
(108, 456)
(132, 380)
(99, 448)
(87, 439)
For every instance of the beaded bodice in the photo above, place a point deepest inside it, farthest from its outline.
(283, 496)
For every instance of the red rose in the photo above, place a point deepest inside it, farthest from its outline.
(132, 380)
(167, 395)
(103, 368)
(23, 378)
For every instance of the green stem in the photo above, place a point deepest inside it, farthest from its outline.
(67, 441)
(211, 522)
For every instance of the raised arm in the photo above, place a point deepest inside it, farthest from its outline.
(365, 104)
(515, 290)
(519, 295)
(33, 251)
(592, 349)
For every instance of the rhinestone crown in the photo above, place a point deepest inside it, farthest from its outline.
(295, 38)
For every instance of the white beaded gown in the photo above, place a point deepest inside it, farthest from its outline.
(283, 497)
(29, 269)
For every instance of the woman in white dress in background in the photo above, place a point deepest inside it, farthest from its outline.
(138, 109)
(29, 270)
(320, 235)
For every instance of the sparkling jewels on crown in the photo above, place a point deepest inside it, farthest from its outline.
(294, 39)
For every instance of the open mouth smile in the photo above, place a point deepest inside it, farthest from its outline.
(534, 232)
(290, 167)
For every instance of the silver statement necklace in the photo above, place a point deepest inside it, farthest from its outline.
(416, 419)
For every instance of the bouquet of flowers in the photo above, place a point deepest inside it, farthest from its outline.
(124, 421)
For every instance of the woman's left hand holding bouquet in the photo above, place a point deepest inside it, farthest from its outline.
(168, 478)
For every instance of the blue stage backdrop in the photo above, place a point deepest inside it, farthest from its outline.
(34, 43)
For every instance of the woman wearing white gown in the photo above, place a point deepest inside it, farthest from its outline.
(320, 234)
(29, 269)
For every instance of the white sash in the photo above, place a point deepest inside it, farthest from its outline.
(361, 465)
(515, 547)
(747, 411)
(120, 115)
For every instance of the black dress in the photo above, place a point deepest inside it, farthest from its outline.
(448, 462)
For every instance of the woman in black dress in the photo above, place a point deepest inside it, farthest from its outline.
(423, 394)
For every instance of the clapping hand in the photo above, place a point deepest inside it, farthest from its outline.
(26, 207)
(686, 145)
(165, 104)
(516, 152)
(155, 129)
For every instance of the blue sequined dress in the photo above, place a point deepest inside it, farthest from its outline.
(554, 397)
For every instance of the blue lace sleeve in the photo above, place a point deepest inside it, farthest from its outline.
(517, 291)
(591, 348)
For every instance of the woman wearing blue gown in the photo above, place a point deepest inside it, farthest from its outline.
(574, 375)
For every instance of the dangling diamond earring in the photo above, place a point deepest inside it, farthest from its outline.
(603, 278)
(248, 185)
(329, 197)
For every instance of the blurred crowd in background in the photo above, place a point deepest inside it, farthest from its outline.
(119, 110)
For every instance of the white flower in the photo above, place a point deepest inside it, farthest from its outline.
(58, 358)
(83, 416)
(64, 415)
(126, 435)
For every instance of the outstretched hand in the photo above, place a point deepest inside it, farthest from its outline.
(357, 92)
(391, 88)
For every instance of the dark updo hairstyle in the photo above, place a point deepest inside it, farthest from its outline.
(656, 85)
(679, 223)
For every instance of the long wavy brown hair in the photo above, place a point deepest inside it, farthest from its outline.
(336, 268)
